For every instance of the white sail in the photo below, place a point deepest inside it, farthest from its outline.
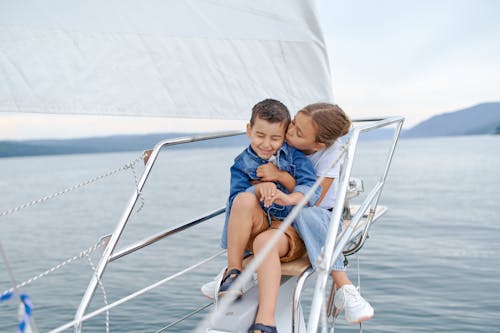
(173, 58)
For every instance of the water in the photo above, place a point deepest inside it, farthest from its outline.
(430, 265)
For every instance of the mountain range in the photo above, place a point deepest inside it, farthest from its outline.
(476, 120)
(479, 119)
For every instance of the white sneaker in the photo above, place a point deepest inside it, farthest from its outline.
(211, 289)
(357, 309)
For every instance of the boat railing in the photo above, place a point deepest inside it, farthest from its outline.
(333, 247)
(109, 255)
(367, 211)
(169, 232)
(369, 205)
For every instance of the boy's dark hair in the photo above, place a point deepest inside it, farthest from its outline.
(272, 111)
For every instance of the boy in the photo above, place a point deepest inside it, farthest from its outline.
(256, 206)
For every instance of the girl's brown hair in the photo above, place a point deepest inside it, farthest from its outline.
(330, 121)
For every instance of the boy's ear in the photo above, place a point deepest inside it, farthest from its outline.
(249, 129)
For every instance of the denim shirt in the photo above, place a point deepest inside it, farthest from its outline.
(289, 159)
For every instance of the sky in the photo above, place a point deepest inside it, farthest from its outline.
(401, 57)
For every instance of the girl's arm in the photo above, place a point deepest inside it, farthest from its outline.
(325, 186)
(287, 199)
(270, 172)
(295, 197)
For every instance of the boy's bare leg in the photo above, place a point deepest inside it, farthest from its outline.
(246, 216)
(269, 275)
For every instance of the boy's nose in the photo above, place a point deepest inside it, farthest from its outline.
(267, 143)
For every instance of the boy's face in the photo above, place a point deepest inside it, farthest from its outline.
(301, 134)
(265, 137)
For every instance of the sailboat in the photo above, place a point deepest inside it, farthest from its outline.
(199, 59)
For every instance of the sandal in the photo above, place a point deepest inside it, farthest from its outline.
(262, 329)
(226, 283)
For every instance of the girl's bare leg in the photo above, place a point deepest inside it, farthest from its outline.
(269, 275)
(340, 278)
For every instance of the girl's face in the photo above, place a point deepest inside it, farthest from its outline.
(301, 134)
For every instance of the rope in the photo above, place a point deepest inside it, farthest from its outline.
(359, 288)
(104, 295)
(7, 294)
(15, 288)
(80, 255)
(129, 165)
(137, 293)
(28, 307)
(136, 180)
(74, 187)
(25, 299)
(358, 273)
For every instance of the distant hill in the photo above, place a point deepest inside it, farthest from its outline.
(107, 144)
(479, 119)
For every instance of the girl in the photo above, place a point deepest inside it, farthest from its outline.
(314, 131)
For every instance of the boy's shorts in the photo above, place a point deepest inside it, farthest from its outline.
(295, 243)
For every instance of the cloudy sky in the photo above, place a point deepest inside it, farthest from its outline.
(413, 58)
(399, 57)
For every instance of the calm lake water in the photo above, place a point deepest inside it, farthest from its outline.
(431, 263)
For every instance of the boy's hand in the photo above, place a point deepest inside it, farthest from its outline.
(265, 192)
(268, 172)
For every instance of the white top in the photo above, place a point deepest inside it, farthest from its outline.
(322, 161)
